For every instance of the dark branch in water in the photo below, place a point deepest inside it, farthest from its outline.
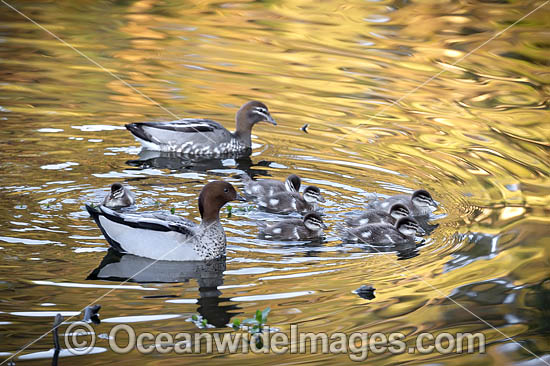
(57, 348)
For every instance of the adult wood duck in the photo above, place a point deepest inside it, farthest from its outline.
(169, 237)
(196, 136)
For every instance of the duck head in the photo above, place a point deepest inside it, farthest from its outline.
(248, 115)
(293, 183)
(422, 198)
(117, 190)
(212, 198)
(398, 211)
(312, 194)
(314, 222)
(407, 226)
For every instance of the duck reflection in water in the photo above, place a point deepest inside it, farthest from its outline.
(185, 162)
(119, 267)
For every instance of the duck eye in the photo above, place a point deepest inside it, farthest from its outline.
(226, 190)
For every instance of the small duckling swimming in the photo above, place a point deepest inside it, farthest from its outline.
(309, 228)
(287, 202)
(396, 212)
(119, 197)
(420, 203)
(269, 187)
(404, 230)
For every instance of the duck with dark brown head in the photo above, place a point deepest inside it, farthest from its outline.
(169, 237)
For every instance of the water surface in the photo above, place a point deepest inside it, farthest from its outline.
(477, 136)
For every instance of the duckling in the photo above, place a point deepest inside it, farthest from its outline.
(119, 197)
(310, 227)
(269, 187)
(166, 238)
(196, 136)
(404, 230)
(287, 202)
(420, 203)
(396, 212)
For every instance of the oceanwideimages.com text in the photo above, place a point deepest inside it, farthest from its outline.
(122, 338)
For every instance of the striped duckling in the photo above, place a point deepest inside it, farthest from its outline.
(269, 187)
(195, 136)
(309, 228)
(119, 197)
(420, 203)
(396, 212)
(287, 202)
(403, 231)
(167, 237)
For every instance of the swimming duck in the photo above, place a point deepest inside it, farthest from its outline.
(196, 136)
(383, 233)
(287, 202)
(396, 212)
(119, 197)
(420, 203)
(168, 237)
(310, 227)
(269, 187)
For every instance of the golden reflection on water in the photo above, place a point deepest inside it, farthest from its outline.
(476, 136)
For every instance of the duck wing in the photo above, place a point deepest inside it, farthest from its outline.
(369, 217)
(179, 132)
(386, 203)
(146, 235)
(264, 187)
(285, 202)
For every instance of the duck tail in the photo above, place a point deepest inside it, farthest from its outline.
(92, 210)
(137, 130)
(95, 212)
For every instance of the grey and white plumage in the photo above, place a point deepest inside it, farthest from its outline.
(383, 233)
(269, 187)
(196, 136)
(287, 202)
(119, 197)
(166, 237)
(395, 212)
(308, 228)
(420, 203)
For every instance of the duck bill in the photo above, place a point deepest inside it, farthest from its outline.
(270, 119)
(325, 226)
(322, 199)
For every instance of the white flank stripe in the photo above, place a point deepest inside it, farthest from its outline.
(150, 243)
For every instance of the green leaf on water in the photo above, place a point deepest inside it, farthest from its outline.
(229, 210)
(258, 316)
(195, 317)
(173, 210)
(236, 324)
